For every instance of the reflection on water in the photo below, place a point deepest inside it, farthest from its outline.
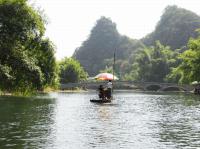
(25, 122)
(69, 120)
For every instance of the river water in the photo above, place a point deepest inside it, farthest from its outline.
(134, 120)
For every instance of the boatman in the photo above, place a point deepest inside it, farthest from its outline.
(109, 89)
(101, 92)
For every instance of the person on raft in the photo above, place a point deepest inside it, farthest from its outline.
(101, 92)
(109, 89)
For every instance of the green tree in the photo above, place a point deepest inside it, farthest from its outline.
(189, 68)
(22, 48)
(47, 62)
(71, 71)
(153, 64)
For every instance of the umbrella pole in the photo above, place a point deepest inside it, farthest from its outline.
(113, 69)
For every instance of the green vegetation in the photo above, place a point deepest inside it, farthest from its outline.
(71, 71)
(153, 63)
(189, 68)
(27, 61)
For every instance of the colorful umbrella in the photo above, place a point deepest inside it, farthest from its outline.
(105, 76)
(195, 83)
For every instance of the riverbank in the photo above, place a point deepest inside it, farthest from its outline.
(82, 90)
(45, 91)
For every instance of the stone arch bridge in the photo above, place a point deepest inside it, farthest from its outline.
(145, 86)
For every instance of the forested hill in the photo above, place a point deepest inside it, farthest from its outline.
(99, 47)
(175, 28)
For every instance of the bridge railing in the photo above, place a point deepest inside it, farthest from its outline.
(123, 84)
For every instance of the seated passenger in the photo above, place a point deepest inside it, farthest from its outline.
(109, 89)
(101, 92)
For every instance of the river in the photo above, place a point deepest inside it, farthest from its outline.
(134, 120)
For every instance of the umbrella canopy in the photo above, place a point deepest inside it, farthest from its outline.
(105, 76)
(195, 83)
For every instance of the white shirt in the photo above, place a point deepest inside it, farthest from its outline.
(109, 85)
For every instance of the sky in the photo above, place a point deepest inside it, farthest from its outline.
(70, 21)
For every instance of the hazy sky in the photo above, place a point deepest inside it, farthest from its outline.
(70, 21)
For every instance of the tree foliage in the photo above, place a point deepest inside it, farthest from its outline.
(189, 69)
(71, 71)
(26, 59)
(153, 64)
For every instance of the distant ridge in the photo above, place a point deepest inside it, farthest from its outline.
(174, 29)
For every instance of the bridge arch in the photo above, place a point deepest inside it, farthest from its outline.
(172, 88)
(153, 87)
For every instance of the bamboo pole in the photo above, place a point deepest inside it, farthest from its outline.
(113, 69)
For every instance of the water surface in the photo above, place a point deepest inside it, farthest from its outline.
(132, 120)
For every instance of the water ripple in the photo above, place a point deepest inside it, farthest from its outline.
(132, 120)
